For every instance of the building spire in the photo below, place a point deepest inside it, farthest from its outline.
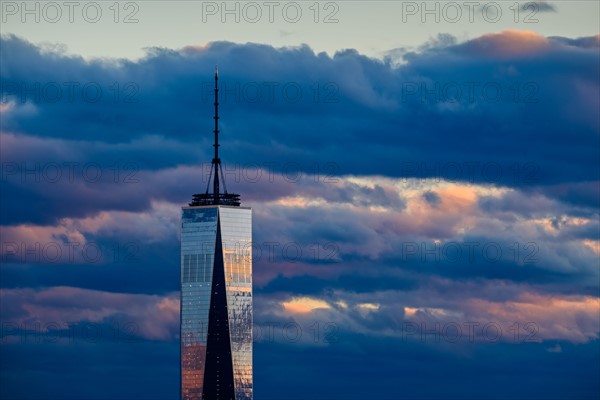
(216, 161)
(216, 198)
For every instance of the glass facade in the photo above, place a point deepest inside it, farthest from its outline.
(216, 303)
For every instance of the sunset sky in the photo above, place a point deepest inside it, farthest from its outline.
(425, 187)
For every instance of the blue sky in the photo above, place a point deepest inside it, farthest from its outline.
(425, 194)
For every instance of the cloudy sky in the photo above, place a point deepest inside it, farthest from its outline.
(424, 179)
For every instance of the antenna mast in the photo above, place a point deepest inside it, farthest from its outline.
(216, 161)
(216, 198)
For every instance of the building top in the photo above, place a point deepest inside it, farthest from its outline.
(218, 205)
(216, 197)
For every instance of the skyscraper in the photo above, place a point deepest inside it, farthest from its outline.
(216, 291)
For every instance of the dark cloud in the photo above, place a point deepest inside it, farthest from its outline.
(386, 363)
(360, 283)
(432, 198)
(538, 6)
(124, 369)
(71, 370)
(380, 118)
(584, 42)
